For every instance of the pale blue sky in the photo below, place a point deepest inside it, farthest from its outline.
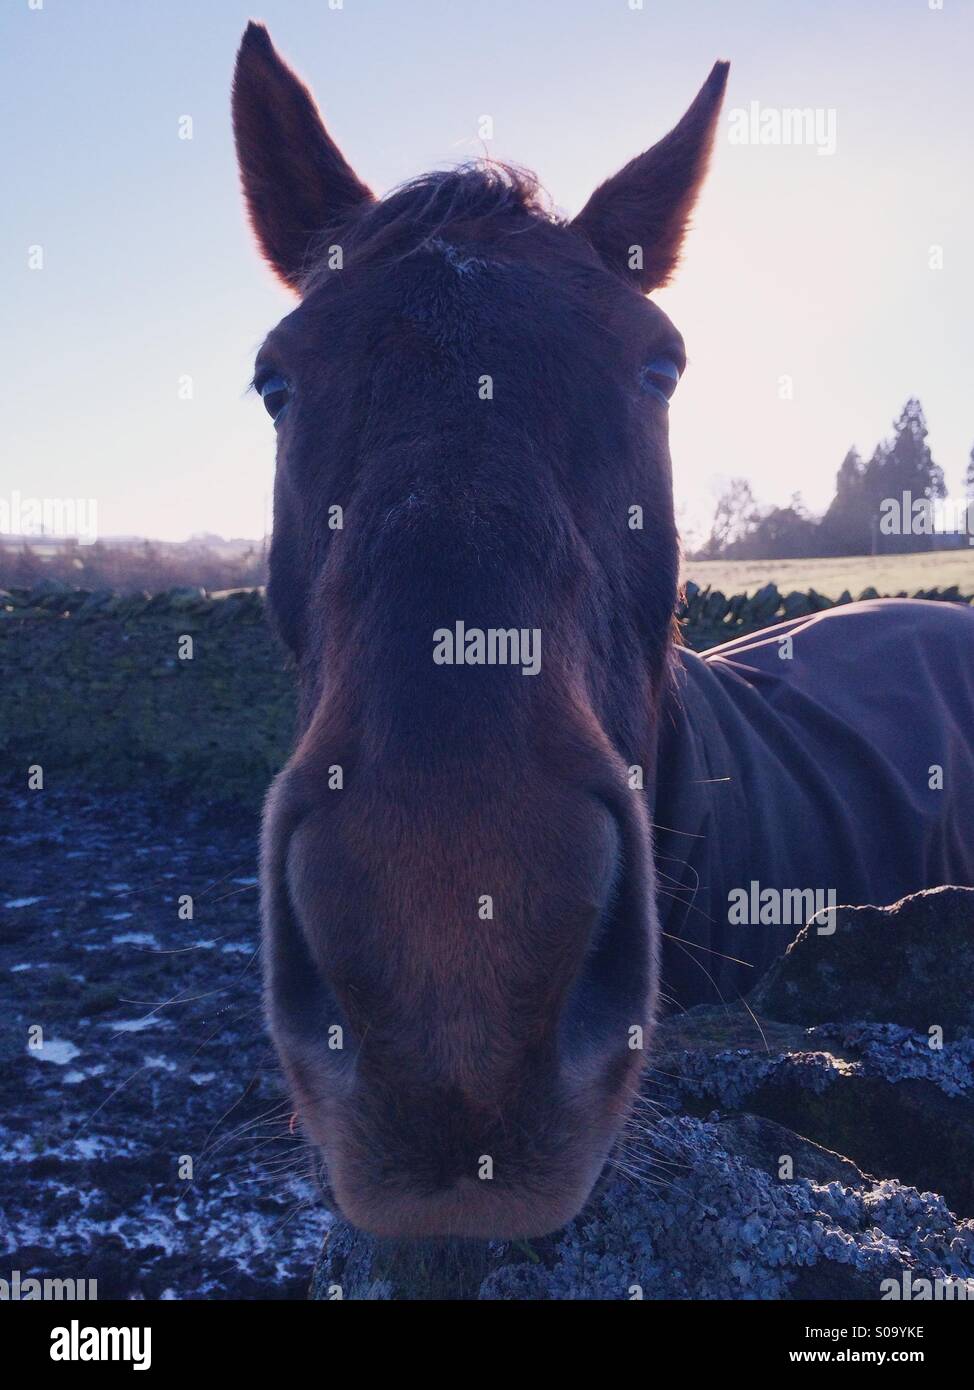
(811, 266)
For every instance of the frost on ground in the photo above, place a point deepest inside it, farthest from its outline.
(705, 1215)
(145, 1141)
(776, 1154)
(151, 1057)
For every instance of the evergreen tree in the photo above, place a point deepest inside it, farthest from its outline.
(845, 529)
(903, 464)
(848, 480)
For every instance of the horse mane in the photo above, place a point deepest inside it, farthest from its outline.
(485, 197)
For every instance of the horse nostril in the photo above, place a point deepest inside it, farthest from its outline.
(301, 996)
(610, 992)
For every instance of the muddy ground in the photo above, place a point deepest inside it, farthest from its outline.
(146, 1141)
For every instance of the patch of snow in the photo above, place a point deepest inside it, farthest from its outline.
(159, 1063)
(56, 1050)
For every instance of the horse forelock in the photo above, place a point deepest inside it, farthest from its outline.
(483, 198)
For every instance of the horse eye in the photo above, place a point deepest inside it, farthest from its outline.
(275, 392)
(660, 377)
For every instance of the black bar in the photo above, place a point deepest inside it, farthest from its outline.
(278, 1337)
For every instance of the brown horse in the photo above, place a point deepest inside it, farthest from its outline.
(475, 566)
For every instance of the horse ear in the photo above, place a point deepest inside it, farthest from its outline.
(636, 220)
(295, 179)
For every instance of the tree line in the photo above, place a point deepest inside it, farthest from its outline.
(137, 565)
(866, 516)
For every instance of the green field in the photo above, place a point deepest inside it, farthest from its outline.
(889, 574)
